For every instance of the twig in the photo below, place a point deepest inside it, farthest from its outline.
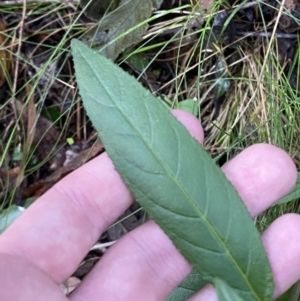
(267, 34)
(187, 12)
(101, 246)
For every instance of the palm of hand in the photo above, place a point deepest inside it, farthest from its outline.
(45, 245)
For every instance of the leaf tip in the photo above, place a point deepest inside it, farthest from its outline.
(75, 43)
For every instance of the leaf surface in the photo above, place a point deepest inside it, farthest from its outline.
(96, 9)
(173, 177)
(122, 27)
(189, 105)
(188, 287)
(9, 215)
(293, 195)
(225, 293)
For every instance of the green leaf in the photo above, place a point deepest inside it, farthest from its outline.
(225, 292)
(9, 215)
(173, 177)
(138, 61)
(293, 195)
(188, 287)
(189, 105)
(96, 9)
(17, 154)
(285, 296)
(121, 28)
(222, 83)
(292, 294)
(29, 202)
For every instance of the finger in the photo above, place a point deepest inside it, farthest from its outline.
(254, 172)
(58, 230)
(145, 265)
(191, 123)
(282, 243)
(22, 281)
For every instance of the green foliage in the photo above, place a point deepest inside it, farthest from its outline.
(190, 285)
(292, 294)
(122, 27)
(17, 154)
(96, 9)
(293, 195)
(189, 105)
(222, 83)
(174, 179)
(138, 61)
(9, 215)
(225, 293)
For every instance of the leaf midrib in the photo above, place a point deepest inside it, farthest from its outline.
(184, 191)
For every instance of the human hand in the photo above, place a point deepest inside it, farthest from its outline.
(47, 243)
